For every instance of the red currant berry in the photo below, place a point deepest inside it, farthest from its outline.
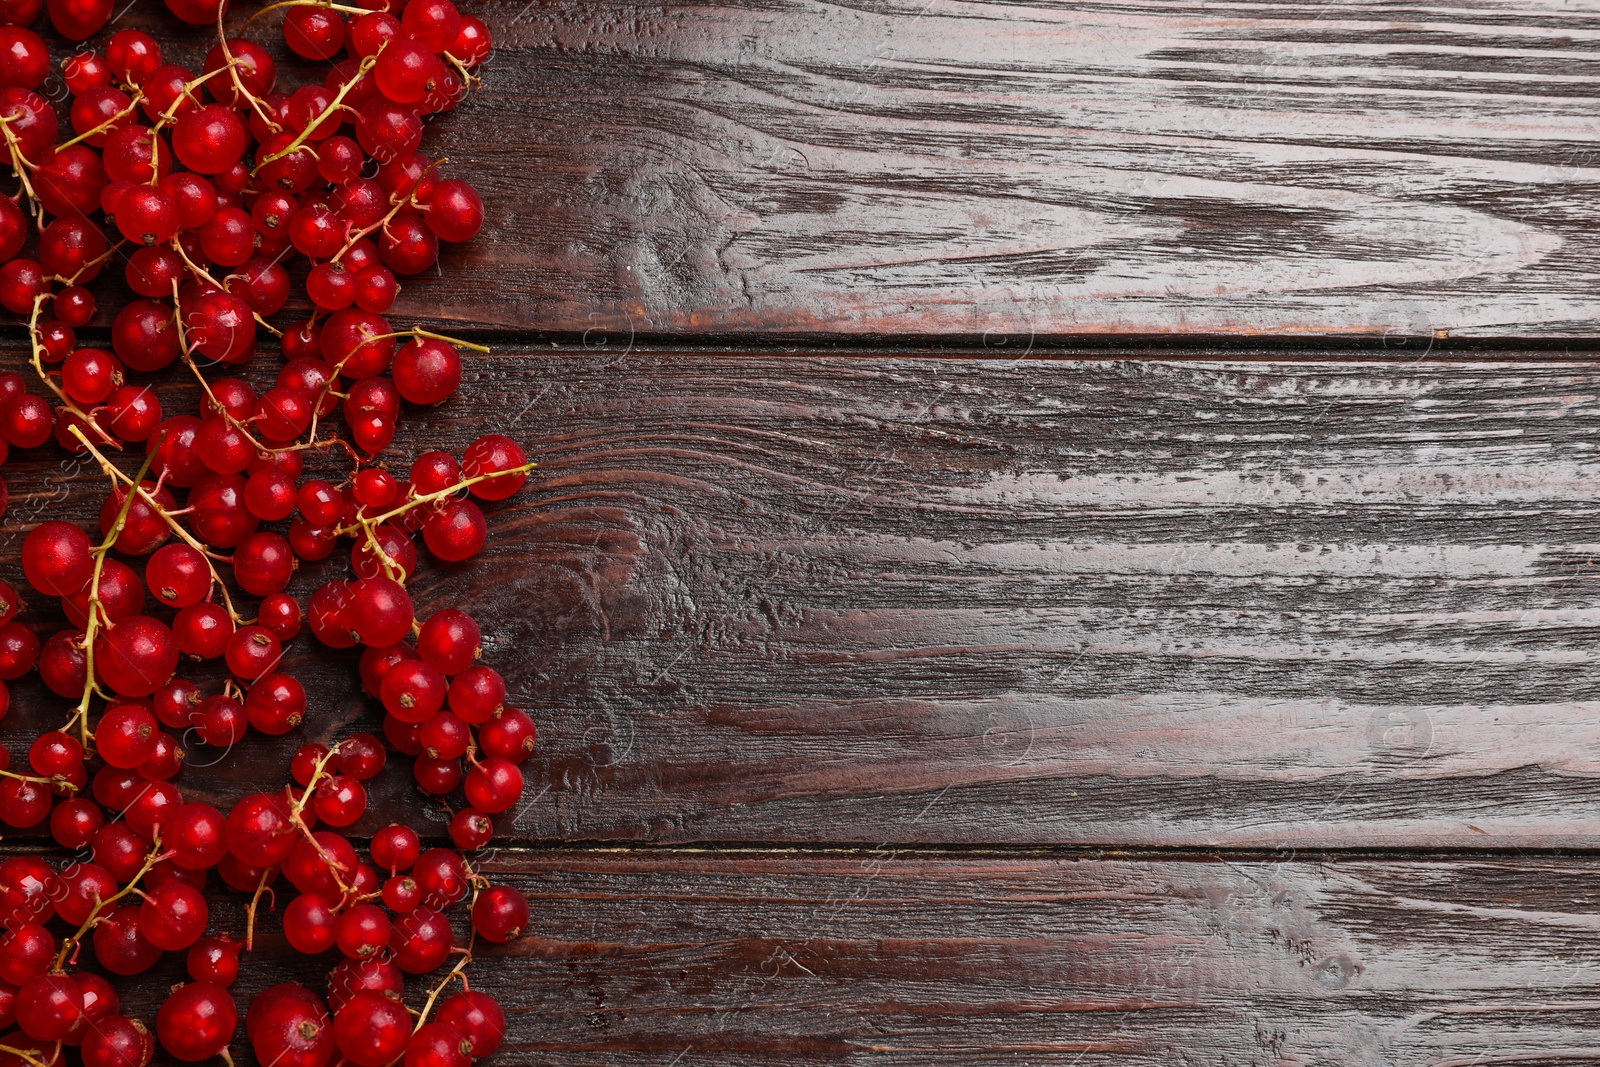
(173, 916)
(276, 704)
(309, 924)
(473, 42)
(340, 801)
(437, 1044)
(471, 829)
(196, 1021)
(197, 836)
(126, 736)
(210, 139)
(202, 630)
(371, 1030)
(56, 558)
(132, 54)
(120, 947)
(362, 931)
(220, 722)
(455, 211)
(436, 777)
(290, 1030)
(420, 941)
(442, 876)
(456, 531)
(500, 914)
(74, 822)
(136, 656)
(493, 784)
(263, 563)
(313, 32)
(217, 513)
(478, 1018)
(132, 413)
(412, 691)
(380, 611)
(121, 596)
(253, 652)
(50, 1008)
(509, 734)
(279, 613)
(427, 371)
(215, 960)
(477, 693)
(166, 759)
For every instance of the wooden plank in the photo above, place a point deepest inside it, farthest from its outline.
(1010, 173)
(894, 958)
(824, 599)
(1000, 170)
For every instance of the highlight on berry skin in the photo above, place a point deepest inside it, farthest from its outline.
(236, 197)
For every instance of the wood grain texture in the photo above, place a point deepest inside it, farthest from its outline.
(981, 168)
(1016, 172)
(900, 959)
(824, 599)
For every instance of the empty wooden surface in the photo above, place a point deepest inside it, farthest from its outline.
(976, 168)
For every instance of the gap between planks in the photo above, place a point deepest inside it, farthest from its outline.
(1085, 349)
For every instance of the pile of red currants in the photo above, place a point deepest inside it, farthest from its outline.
(206, 186)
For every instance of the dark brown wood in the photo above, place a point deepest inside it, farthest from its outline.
(931, 167)
(813, 599)
(884, 957)
(1008, 173)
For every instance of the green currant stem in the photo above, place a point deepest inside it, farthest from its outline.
(391, 566)
(188, 88)
(428, 498)
(333, 105)
(409, 198)
(20, 163)
(250, 912)
(458, 971)
(201, 272)
(67, 946)
(95, 262)
(307, 3)
(469, 80)
(55, 781)
(97, 610)
(38, 366)
(188, 360)
(318, 773)
(238, 83)
(417, 331)
(172, 524)
(29, 1058)
(108, 124)
(311, 444)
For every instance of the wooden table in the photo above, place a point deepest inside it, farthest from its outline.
(1067, 533)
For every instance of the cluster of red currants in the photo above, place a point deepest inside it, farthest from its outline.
(207, 184)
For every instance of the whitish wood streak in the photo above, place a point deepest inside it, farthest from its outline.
(823, 599)
(969, 167)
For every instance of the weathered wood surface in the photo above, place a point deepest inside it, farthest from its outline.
(1012, 172)
(939, 167)
(905, 959)
(825, 599)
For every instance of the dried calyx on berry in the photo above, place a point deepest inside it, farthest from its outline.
(205, 185)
